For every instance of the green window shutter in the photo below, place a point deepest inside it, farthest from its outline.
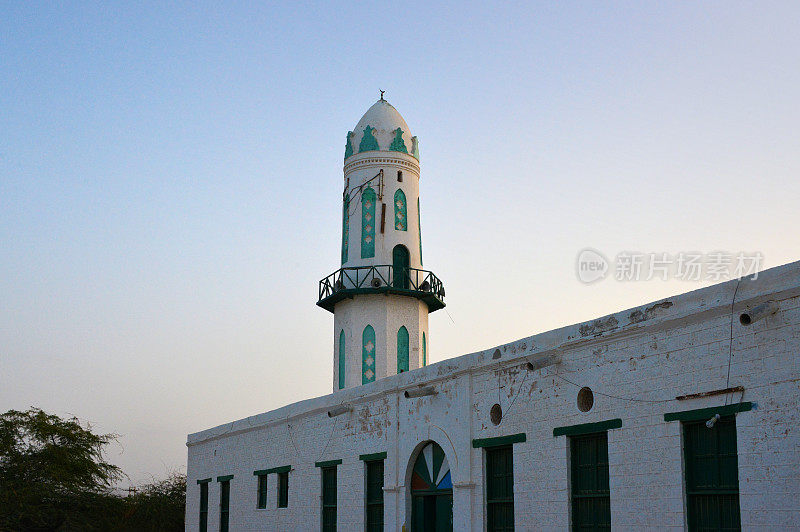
(374, 496)
(329, 499)
(262, 491)
(419, 231)
(368, 200)
(341, 360)
(424, 350)
(368, 355)
(204, 507)
(224, 505)
(500, 489)
(591, 502)
(400, 211)
(283, 490)
(712, 475)
(345, 227)
(402, 350)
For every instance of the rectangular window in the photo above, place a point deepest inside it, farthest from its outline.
(283, 489)
(591, 500)
(329, 499)
(262, 491)
(399, 176)
(224, 504)
(374, 497)
(712, 475)
(204, 507)
(500, 489)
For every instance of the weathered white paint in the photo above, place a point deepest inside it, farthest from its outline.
(655, 352)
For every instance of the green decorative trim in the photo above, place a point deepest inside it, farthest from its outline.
(400, 211)
(368, 355)
(368, 201)
(281, 469)
(402, 349)
(587, 428)
(424, 350)
(372, 456)
(398, 144)
(345, 227)
(500, 440)
(328, 463)
(204, 480)
(415, 147)
(341, 359)
(348, 147)
(368, 141)
(419, 231)
(707, 413)
(224, 478)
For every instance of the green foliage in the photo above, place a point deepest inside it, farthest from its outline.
(53, 477)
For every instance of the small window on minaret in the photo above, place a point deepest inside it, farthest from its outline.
(399, 176)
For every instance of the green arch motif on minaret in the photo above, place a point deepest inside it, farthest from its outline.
(341, 360)
(402, 349)
(400, 211)
(368, 355)
(345, 227)
(348, 146)
(368, 141)
(368, 200)
(415, 147)
(419, 231)
(398, 144)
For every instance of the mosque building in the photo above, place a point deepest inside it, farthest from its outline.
(679, 414)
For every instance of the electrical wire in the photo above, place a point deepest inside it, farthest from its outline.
(616, 396)
(730, 343)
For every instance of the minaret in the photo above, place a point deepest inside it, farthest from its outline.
(381, 296)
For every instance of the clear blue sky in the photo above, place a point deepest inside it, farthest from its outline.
(170, 180)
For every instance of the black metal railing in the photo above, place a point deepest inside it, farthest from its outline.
(381, 277)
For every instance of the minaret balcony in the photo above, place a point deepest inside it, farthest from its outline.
(382, 279)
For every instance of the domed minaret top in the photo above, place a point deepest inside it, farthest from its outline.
(381, 128)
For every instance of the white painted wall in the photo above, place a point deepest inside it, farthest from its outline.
(681, 347)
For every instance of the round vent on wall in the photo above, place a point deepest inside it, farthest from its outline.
(585, 399)
(496, 414)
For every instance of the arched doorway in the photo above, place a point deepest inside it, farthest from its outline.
(431, 491)
(400, 262)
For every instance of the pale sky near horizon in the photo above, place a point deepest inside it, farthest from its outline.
(170, 182)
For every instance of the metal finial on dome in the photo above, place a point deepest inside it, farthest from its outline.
(382, 95)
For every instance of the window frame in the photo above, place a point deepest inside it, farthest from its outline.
(224, 505)
(283, 489)
(578, 492)
(490, 501)
(203, 517)
(328, 470)
(374, 502)
(261, 492)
